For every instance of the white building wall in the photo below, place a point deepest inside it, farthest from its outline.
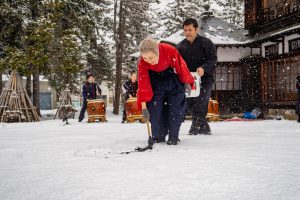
(233, 54)
(108, 93)
(255, 51)
(285, 43)
(280, 48)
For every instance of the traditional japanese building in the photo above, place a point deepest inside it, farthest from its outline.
(274, 26)
(257, 66)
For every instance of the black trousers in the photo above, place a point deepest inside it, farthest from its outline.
(82, 111)
(298, 104)
(124, 114)
(167, 105)
(124, 110)
(298, 107)
(199, 105)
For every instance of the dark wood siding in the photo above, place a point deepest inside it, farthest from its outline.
(278, 78)
(263, 16)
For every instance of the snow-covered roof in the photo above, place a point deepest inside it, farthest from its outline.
(277, 32)
(216, 29)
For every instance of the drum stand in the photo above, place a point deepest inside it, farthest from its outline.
(133, 119)
(96, 111)
(93, 118)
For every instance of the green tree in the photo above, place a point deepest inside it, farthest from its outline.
(65, 65)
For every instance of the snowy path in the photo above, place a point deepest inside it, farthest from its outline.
(241, 161)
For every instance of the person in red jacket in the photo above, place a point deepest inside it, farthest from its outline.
(163, 79)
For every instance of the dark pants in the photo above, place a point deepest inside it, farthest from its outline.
(82, 111)
(189, 105)
(298, 107)
(167, 106)
(124, 114)
(124, 110)
(199, 105)
(298, 104)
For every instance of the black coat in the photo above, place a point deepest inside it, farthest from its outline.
(89, 91)
(131, 88)
(201, 53)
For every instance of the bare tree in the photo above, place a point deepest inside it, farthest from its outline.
(1, 83)
(35, 71)
(120, 41)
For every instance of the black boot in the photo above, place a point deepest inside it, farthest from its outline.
(194, 130)
(299, 118)
(159, 140)
(205, 130)
(173, 141)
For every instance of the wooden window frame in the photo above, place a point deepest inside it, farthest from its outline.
(297, 41)
(275, 46)
(278, 79)
(228, 71)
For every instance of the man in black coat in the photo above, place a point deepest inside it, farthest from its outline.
(200, 56)
(90, 90)
(130, 87)
(298, 98)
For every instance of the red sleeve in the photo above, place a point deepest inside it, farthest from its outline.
(145, 92)
(180, 66)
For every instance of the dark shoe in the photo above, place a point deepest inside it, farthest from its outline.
(159, 140)
(173, 141)
(194, 130)
(122, 122)
(80, 120)
(205, 130)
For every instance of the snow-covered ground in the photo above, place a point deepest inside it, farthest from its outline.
(241, 161)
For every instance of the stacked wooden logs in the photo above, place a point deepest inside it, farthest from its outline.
(65, 109)
(15, 105)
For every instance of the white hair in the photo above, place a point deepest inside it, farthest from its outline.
(149, 44)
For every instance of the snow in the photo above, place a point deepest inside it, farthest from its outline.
(218, 31)
(219, 39)
(211, 29)
(175, 38)
(136, 55)
(257, 160)
(216, 7)
(42, 78)
(216, 38)
(160, 6)
(287, 29)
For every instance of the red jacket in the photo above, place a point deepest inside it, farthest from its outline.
(168, 57)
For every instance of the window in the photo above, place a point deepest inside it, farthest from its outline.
(279, 79)
(271, 50)
(294, 44)
(228, 77)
